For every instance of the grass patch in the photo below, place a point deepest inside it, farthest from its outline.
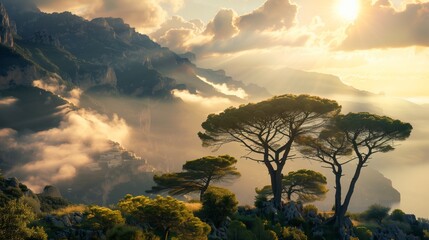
(69, 209)
(193, 206)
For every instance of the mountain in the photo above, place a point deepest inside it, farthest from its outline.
(101, 55)
(6, 37)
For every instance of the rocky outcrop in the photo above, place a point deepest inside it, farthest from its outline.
(68, 226)
(6, 30)
(392, 231)
(51, 191)
(45, 38)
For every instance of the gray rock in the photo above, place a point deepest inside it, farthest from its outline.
(392, 231)
(292, 211)
(6, 36)
(13, 182)
(51, 191)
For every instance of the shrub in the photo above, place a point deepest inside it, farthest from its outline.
(363, 233)
(397, 215)
(218, 204)
(16, 216)
(126, 232)
(238, 231)
(101, 218)
(292, 233)
(166, 216)
(376, 212)
(310, 208)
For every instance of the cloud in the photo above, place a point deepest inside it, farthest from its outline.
(188, 97)
(223, 25)
(7, 101)
(223, 88)
(268, 26)
(380, 25)
(273, 15)
(53, 84)
(56, 154)
(143, 14)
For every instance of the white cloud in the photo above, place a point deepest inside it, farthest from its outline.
(223, 88)
(143, 14)
(7, 101)
(188, 97)
(380, 25)
(56, 154)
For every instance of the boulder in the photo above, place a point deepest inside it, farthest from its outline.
(51, 191)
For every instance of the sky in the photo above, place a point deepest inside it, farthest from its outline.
(375, 45)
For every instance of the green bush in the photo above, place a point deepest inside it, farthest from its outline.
(238, 231)
(397, 215)
(363, 233)
(166, 216)
(310, 208)
(218, 204)
(102, 218)
(15, 218)
(292, 233)
(376, 213)
(126, 232)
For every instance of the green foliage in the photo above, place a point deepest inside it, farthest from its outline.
(363, 233)
(238, 231)
(15, 217)
(376, 213)
(165, 215)
(306, 185)
(126, 232)
(197, 175)
(218, 204)
(310, 208)
(268, 129)
(292, 233)
(260, 228)
(397, 215)
(102, 218)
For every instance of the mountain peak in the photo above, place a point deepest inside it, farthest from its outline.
(20, 6)
(6, 36)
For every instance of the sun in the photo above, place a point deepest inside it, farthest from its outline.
(348, 9)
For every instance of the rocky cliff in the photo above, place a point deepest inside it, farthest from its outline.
(6, 33)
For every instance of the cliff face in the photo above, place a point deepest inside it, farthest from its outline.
(6, 33)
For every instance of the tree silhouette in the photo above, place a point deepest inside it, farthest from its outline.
(197, 176)
(354, 137)
(303, 185)
(268, 129)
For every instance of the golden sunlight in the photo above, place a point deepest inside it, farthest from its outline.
(348, 9)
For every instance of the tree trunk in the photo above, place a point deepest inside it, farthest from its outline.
(276, 186)
(165, 234)
(339, 221)
(345, 205)
(205, 187)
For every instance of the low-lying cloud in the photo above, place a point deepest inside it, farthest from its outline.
(188, 97)
(53, 85)
(223, 88)
(380, 25)
(56, 154)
